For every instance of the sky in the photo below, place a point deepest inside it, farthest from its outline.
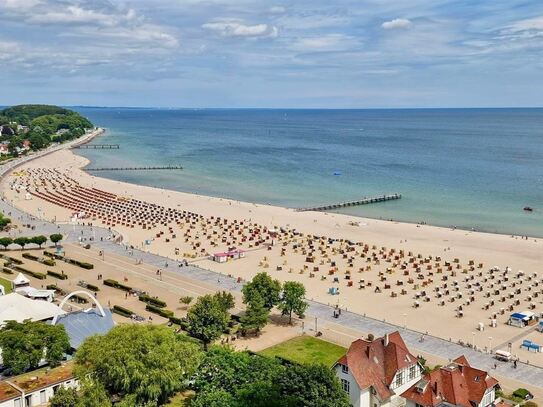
(272, 54)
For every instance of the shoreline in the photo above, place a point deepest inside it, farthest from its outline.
(424, 240)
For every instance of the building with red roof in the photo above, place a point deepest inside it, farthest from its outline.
(375, 372)
(457, 384)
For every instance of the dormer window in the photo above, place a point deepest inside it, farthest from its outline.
(344, 369)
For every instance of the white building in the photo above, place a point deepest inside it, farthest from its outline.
(457, 384)
(35, 388)
(376, 372)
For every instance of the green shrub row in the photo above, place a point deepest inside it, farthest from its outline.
(35, 274)
(57, 275)
(92, 287)
(166, 313)
(82, 264)
(152, 301)
(11, 259)
(52, 287)
(6, 270)
(49, 262)
(115, 284)
(78, 298)
(30, 256)
(125, 312)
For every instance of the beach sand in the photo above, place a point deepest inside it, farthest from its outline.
(193, 241)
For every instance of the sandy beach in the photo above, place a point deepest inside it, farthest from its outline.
(436, 280)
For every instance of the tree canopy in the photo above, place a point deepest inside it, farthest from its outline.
(292, 299)
(145, 364)
(25, 344)
(264, 286)
(208, 318)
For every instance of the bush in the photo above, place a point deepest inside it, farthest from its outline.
(152, 301)
(160, 311)
(30, 256)
(92, 287)
(115, 284)
(82, 264)
(79, 299)
(52, 255)
(57, 275)
(11, 259)
(52, 287)
(6, 270)
(49, 262)
(35, 274)
(176, 321)
(125, 312)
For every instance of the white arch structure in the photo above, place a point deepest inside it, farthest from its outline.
(85, 293)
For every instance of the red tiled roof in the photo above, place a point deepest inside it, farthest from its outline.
(457, 383)
(374, 363)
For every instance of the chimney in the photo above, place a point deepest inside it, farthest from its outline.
(386, 340)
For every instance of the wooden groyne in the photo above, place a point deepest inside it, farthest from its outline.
(99, 146)
(363, 201)
(168, 167)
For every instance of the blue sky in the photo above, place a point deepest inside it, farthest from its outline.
(248, 53)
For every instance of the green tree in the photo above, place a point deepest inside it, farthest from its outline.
(24, 344)
(144, 363)
(311, 386)
(292, 300)
(186, 300)
(256, 314)
(266, 287)
(225, 300)
(213, 398)
(4, 222)
(39, 240)
(55, 238)
(21, 241)
(64, 397)
(5, 241)
(207, 319)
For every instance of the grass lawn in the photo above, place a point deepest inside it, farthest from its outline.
(6, 284)
(307, 349)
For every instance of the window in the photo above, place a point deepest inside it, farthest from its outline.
(17, 402)
(412, 372)
(42, 397)
(399, 379)
(345, 385)
(345, 368)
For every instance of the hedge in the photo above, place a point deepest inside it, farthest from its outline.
(166, 313)
(82, 264)
(177, 321)
(125, 312)
(52, 287)
(52, 255)
(6, 270)
(152, 301)
(115, 284)
(49, 262)
(35, 274)
(92, 287)
(80, 299)
(30, 256)
(11, 259)
(57, 275)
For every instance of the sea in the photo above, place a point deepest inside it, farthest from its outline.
(474, 169)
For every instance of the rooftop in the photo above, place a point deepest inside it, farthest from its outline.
(42, 378)
(7, 392)
(16, 307)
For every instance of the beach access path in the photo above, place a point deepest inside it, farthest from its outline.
(104, 240)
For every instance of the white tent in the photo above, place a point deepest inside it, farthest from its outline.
(21, 280)
(15, 307)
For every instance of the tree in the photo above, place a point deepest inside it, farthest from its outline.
(21, 241)
(225, 300)
(64, 397)
(256, 314)
(292, 300)
(25, 344)
(143, 363)
(185, 300)
(5, 241)
(311, 386)
(39, 240)
(207, 319)
(4, 222)
(213, 398)
(268, 288)
(55, 238)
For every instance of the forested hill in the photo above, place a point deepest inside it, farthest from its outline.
(41, 125)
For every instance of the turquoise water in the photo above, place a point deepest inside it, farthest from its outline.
(472, 168)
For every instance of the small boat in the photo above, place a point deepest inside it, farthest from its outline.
(528, 209)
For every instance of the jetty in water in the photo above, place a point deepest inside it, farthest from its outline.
(363, 201)
(99, 146)
(168, 167)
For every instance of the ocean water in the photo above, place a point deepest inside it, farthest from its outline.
(471, 168)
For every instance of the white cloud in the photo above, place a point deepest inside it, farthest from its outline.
(531, 24)
(329, 42)
(397, 23)
(236, 28)
(79, 15)
(278, 10)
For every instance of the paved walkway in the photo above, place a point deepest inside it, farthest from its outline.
(103, 239)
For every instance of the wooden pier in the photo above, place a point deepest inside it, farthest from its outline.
(99, 146)
(168, 167)
(363, 201)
